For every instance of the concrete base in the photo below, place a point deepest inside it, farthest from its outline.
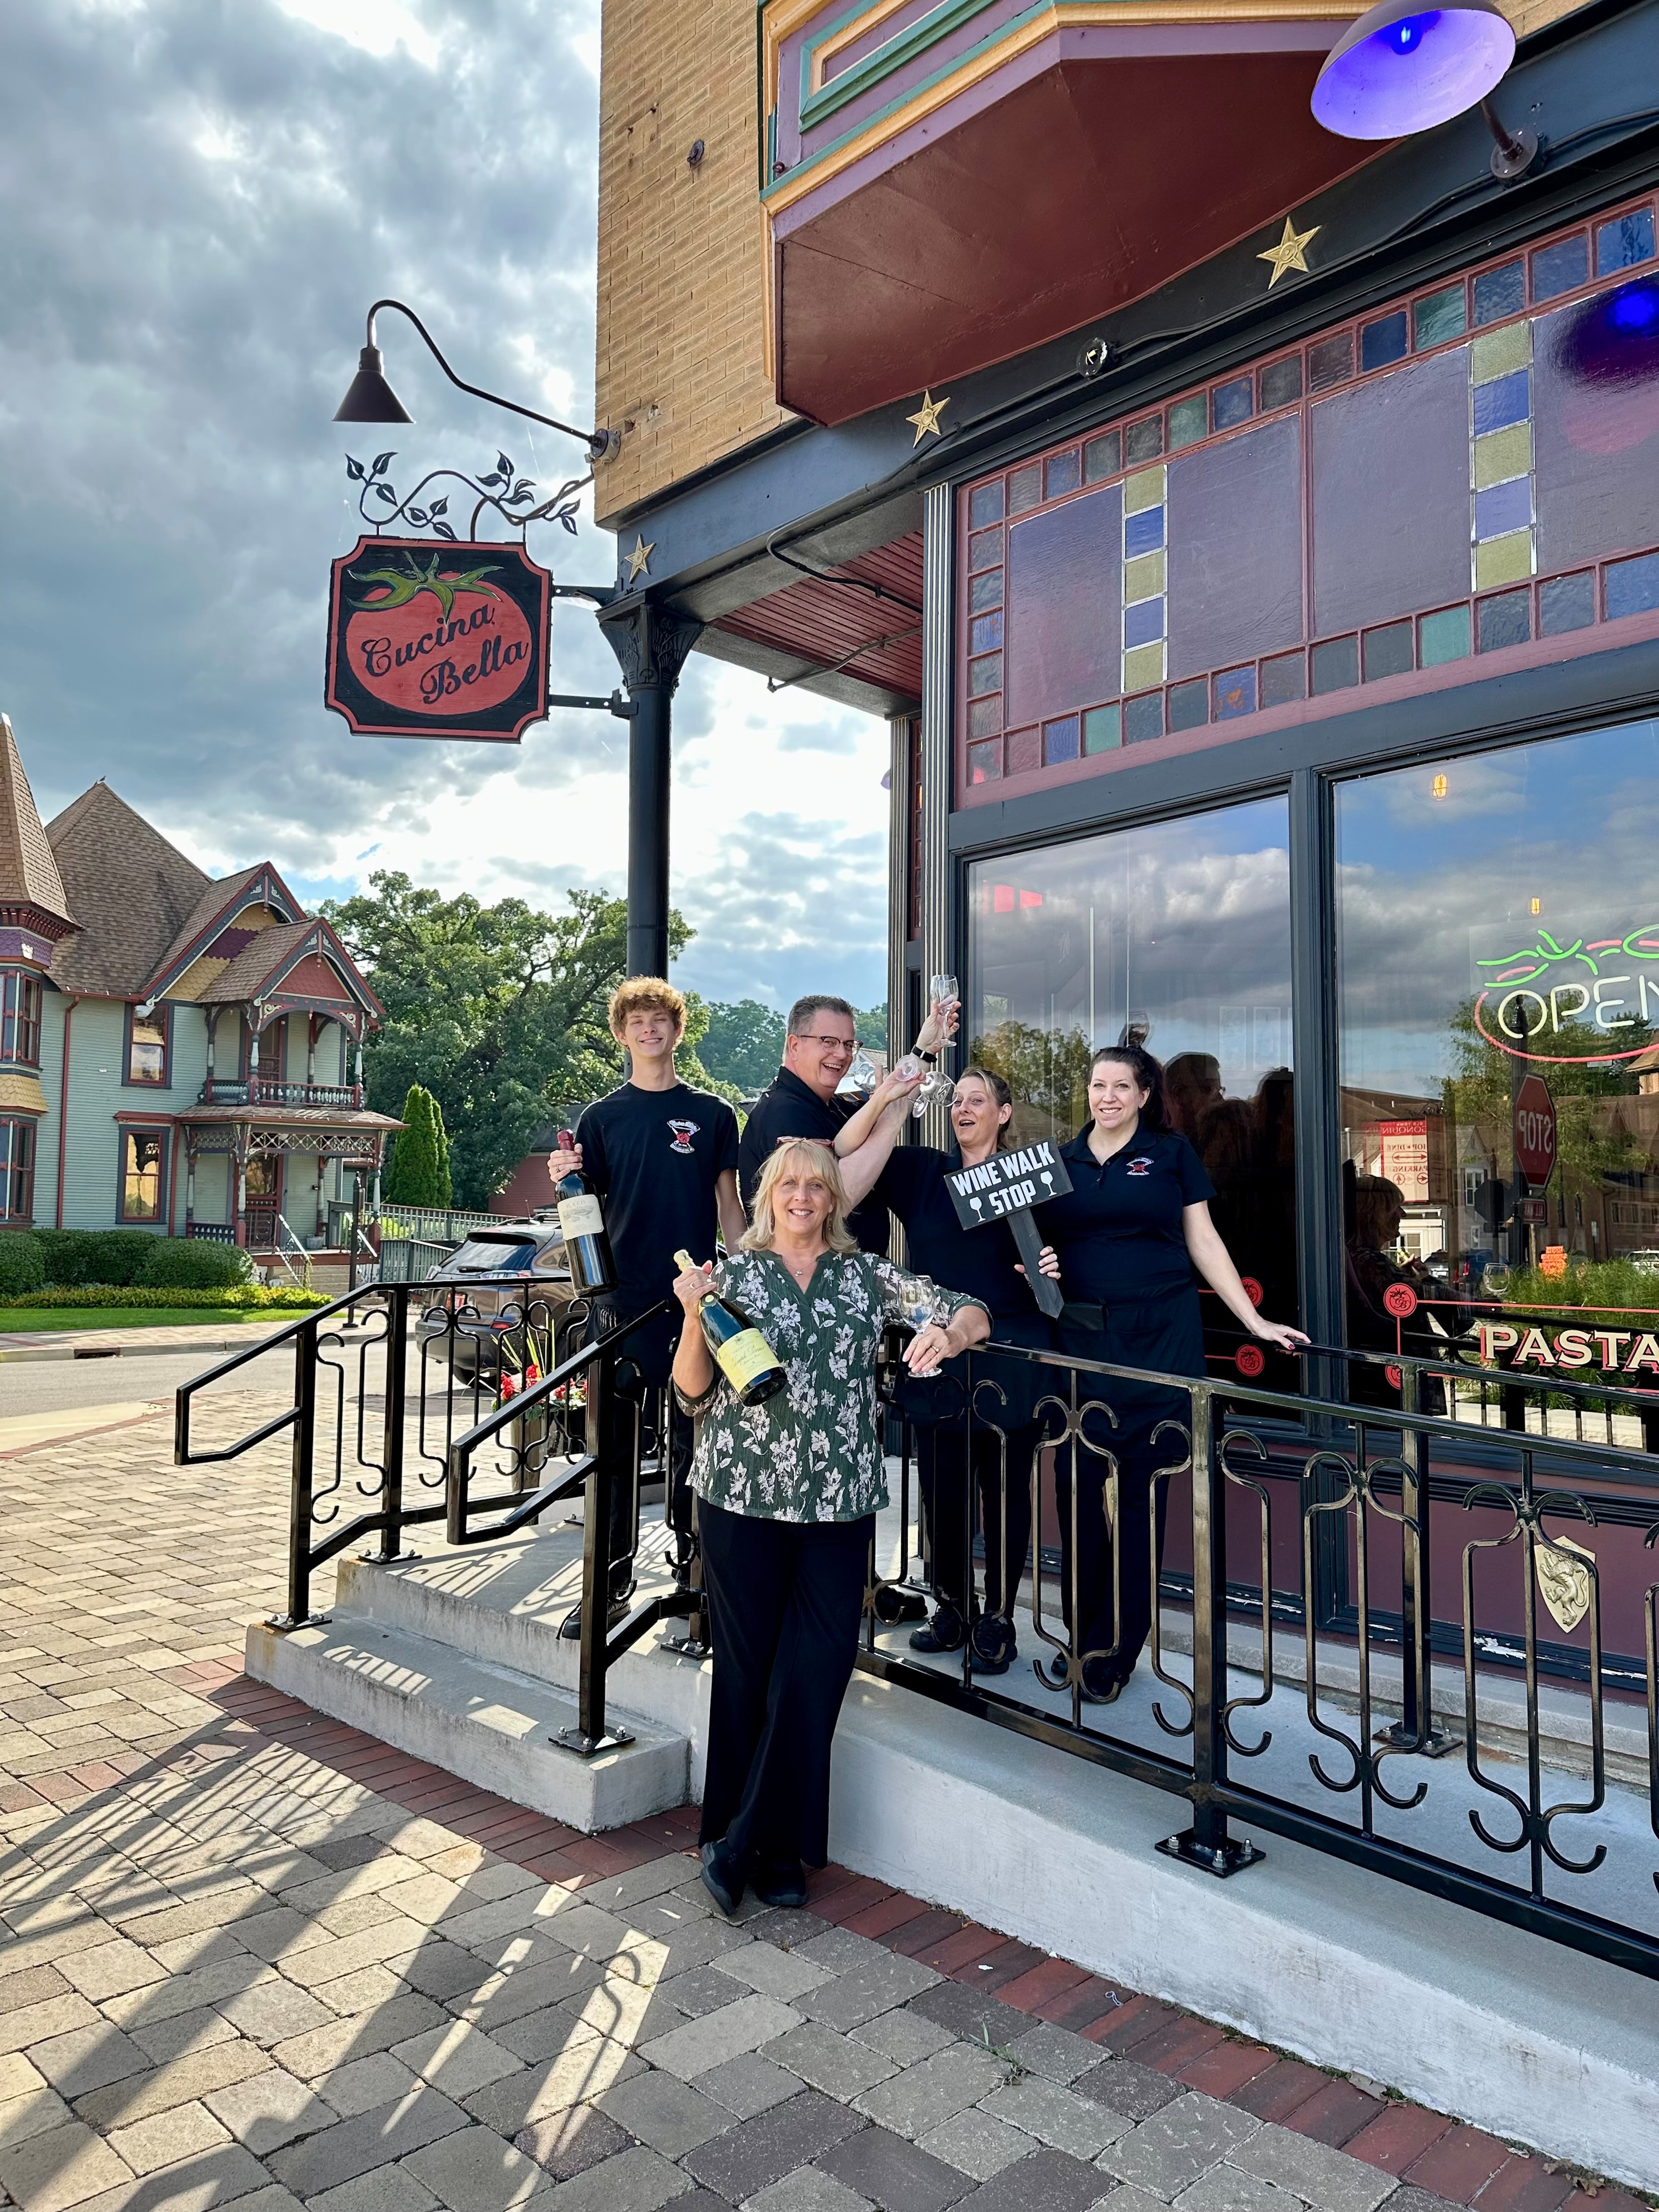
(491, 1725)
(1533, 2042)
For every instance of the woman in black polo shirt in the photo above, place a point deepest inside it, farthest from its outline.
(983, 1263)
(1124, 1244)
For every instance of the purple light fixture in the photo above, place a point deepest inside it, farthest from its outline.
(1402, 68)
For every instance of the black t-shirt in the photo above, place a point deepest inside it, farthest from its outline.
(981, 1261)
(655, 1156)
(1118, 1230)
(786, 1108)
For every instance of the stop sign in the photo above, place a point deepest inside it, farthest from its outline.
(1535, 1130)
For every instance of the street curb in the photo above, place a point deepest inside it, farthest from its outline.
(116, 1350)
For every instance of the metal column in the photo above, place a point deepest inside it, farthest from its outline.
(934, 763)
(650, 642)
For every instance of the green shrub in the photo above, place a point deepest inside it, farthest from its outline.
(23, 1266)
(1608, 1283)
(190, 1263)
(95, 1255)
(247, 1297)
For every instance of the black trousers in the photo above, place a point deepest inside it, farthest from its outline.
(643, 1361)
(948, 1500)
(785, 1601)
(1164, 1333)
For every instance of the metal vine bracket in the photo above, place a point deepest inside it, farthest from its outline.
(499, 488)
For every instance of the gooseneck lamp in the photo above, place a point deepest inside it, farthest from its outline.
(371, 398)
(1402, 68)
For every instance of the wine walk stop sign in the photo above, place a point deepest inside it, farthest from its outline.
(1004, 1187)
(430, 639)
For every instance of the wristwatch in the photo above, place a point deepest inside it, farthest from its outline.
(932, 1058)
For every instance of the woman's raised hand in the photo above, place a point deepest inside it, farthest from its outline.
(693, 1285)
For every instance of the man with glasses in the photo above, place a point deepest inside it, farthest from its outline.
(801, 1101)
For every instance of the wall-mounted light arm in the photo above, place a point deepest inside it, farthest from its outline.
(371, 398)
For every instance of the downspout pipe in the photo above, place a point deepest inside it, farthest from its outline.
(63, 1105)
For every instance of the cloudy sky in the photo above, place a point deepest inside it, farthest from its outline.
(202, 197)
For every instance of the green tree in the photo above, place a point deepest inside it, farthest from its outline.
(414, 1176)
(498, 1011)
(871, 1026)
(1047, 1070)
(742, 1044)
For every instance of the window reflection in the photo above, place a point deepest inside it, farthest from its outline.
(1176, 934)
(1498, 969)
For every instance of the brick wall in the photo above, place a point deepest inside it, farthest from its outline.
(681, 330)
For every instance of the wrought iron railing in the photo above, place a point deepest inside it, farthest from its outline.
(1340, 1514)
(1426, 1647)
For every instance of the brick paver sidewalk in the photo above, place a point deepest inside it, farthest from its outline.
(249, 1955)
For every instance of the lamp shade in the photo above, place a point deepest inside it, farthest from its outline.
(1402, 68)
(371, 398)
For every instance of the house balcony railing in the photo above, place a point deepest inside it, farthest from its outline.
(266, 1091)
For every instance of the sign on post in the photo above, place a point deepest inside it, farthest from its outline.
(1535, 1131)
(428, 640)
(1006, 1188)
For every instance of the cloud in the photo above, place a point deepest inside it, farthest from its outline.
(202, 201)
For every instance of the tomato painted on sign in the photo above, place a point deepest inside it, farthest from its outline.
(1535, 1131)
(438, 641)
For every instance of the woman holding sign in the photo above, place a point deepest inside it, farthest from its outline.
(983, 1262)
(1124, 1244)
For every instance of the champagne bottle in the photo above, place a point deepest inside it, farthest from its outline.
(742, 1353)
(581, 1223)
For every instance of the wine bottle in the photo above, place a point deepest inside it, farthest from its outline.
(742, 1353)
(581, 1223)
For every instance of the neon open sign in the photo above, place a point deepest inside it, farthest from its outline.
(1545, 990)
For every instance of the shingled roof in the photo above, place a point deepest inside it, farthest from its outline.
(28, 873)
(131, 890)
(270, 948)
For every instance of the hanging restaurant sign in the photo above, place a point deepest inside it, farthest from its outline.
(432, 639)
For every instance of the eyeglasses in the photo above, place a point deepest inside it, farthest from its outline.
(828, 1043)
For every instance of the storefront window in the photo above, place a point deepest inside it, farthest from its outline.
(1177, 934)
(1498, 971)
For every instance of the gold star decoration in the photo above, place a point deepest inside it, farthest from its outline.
(638, 560)
(926, 418)
(1291, 253)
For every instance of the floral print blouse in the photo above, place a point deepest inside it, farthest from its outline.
(812, 1451)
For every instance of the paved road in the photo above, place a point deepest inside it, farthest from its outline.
(46, 1385)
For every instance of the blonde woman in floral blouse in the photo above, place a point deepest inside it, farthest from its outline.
(787, 1492)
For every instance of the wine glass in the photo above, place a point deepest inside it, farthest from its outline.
(942, 990)
(862, 1073)
(937, 1090)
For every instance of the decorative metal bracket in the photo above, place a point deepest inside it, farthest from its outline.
(499, 488)
(650, 641)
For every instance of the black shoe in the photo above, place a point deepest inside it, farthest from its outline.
(1051, 1671)
(782, 1883)
(721, 1878)
(570, 1628)
(992, 1647)
(1100, 1686)
(942, 1633)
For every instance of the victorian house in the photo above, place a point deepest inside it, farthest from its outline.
(176, 1054)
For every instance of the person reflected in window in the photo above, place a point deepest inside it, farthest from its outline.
(983, 1262)
(1125, 1244)
(1192, 1086)
(1375, 1263)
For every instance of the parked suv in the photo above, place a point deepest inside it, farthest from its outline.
(492, 1331)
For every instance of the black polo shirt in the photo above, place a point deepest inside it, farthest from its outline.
(654, 1157)
(787, 1108)
(981, 1262)
(1118, 1230)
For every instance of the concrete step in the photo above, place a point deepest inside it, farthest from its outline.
(490, 1724)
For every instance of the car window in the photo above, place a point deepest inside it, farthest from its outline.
(492, 1256)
